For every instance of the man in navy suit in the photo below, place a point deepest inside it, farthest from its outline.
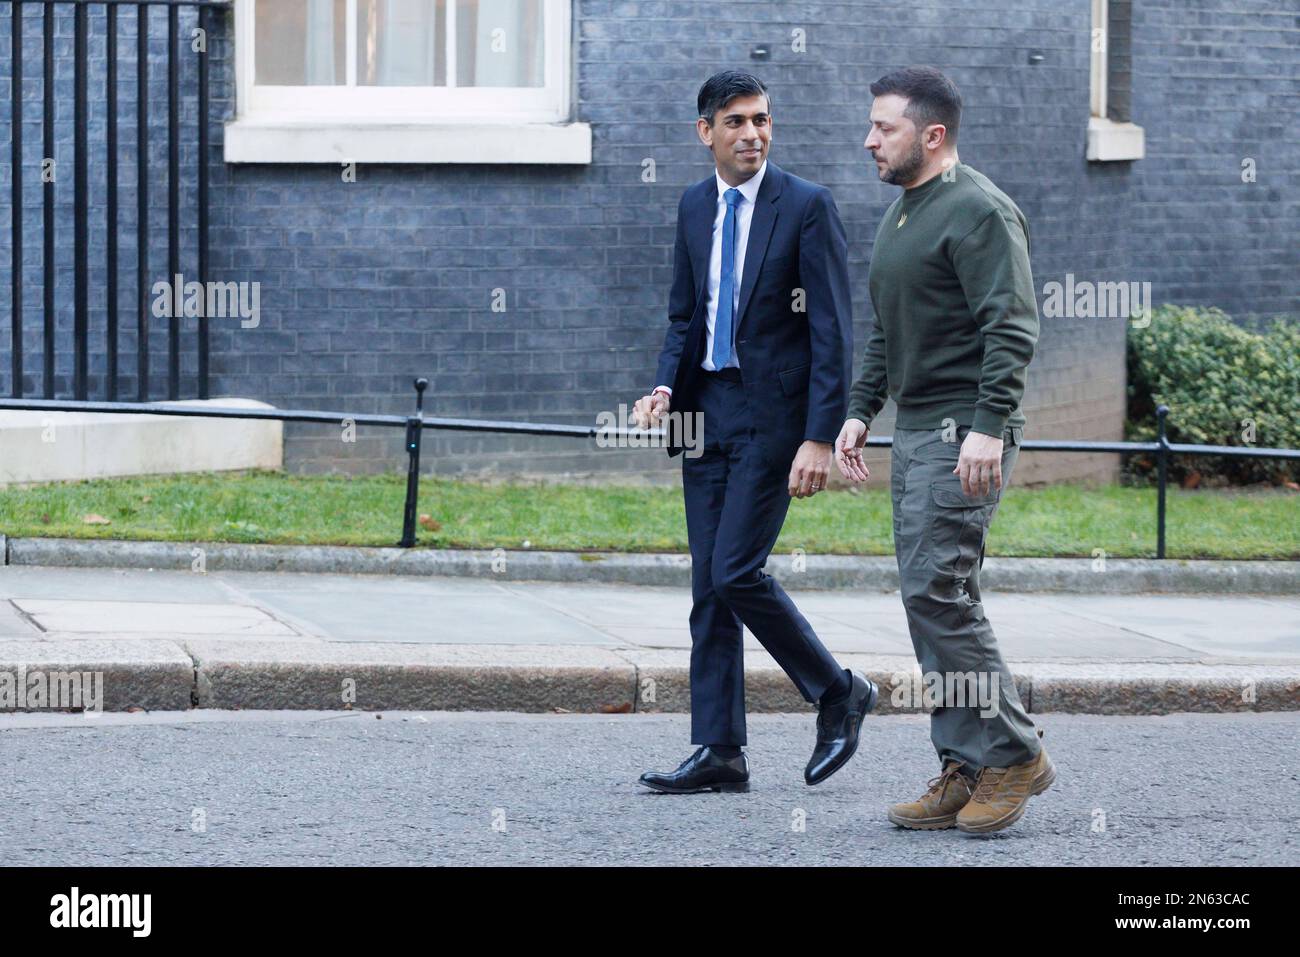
(759, 344)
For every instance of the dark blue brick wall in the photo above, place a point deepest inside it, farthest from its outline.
(128, 154)
(365, 285)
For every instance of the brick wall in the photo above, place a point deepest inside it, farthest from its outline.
(366, 285)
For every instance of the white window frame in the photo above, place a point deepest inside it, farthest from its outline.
(393, 124)
(1108, 141)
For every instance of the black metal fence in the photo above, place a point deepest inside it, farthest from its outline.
(82, 150)
(416, 423)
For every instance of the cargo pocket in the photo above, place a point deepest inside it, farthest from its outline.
(958, 523)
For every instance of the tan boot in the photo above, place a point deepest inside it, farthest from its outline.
(937, 808)
(1001, 794)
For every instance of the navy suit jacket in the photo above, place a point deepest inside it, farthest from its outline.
(796, 362)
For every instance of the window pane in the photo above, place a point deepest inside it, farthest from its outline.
(401, 43)
(300, 42)
(499, 43)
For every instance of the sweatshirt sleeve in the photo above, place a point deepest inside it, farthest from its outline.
(871, 388)
(992, 264)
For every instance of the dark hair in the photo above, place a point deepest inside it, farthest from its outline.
(721, 88)
(931, 97)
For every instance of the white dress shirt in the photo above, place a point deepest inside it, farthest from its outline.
(744, 215)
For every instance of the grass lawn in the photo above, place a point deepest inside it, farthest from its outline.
(1060, 520)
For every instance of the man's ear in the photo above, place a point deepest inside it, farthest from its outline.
(705, 132)
(936, 136)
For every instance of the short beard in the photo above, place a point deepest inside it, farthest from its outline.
(907, 170)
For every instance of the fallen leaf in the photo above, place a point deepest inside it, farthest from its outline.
(430, 523)
(624, 708)
(562, 711)
(93, 519)
(147, 498)
(1292, 486)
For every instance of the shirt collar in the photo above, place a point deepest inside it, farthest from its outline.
(748, 189)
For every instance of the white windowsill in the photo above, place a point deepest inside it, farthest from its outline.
(258, 140)
(1109, 141)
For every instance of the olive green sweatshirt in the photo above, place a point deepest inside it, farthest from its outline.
(956, 315)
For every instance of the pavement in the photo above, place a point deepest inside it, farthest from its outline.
(166, 639)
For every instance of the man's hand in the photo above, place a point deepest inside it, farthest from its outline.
(979, 462)
(812, 465)
(649, 408)
(848, 451)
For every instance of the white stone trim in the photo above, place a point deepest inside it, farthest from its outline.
(336, 124)
(268, 141)
(1109, 141)
(50, 446)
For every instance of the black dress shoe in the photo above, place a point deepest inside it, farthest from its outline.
(838, 726)
(702, 771)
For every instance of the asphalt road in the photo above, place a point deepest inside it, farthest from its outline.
(493, 788)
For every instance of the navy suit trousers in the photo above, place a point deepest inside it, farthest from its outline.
(736, 501)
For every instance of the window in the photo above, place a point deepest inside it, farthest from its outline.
(1111, 133)
(404, 81)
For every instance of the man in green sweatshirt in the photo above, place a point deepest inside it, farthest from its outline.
(956, 322)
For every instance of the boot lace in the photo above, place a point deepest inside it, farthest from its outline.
(989, 779)
(940, 784)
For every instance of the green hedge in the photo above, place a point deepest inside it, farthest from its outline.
(1219, 380)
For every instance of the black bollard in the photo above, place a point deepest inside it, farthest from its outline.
(1162, 466)
(414, 428)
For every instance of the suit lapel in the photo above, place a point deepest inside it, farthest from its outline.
(760, 233)
(699, 237)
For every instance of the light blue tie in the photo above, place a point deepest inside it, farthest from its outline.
(727, 286)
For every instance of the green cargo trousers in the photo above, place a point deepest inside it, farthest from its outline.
(939, 535)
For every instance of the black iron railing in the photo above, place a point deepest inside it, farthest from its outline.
(416, 423)
(82, 151)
